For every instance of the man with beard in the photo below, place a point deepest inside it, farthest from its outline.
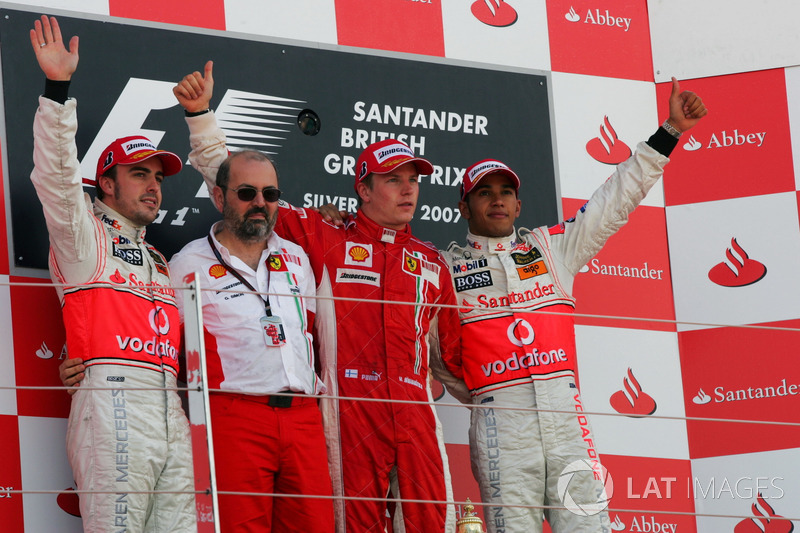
(257, 323)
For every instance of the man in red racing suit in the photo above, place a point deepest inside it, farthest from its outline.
(369, 350)
(119, 314)
(502, 277)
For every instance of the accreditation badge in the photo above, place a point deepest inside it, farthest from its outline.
(272, 326)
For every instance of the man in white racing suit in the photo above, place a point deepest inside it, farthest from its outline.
(515, 357)
(119, 313)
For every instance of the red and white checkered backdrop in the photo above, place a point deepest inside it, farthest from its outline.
(715, 248)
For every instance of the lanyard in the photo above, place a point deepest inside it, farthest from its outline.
(238, 276)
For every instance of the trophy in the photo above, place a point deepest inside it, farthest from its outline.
(469, 521)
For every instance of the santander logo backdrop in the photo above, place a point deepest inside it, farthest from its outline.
(38, 351)
(399, 25)
(494, 12)
(607, 147)
(650, 484)
(738, 150)
(633, 261)
(200, 13)
(10, 475)
(600, 38)
(739, 270)
(741, 374)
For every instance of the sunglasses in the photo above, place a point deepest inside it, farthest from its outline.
(247, 193)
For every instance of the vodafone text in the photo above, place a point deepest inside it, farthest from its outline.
(152, 346)
(715, 488)
(586, 435)
(529, 359)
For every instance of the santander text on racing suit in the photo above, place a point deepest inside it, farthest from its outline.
(120, 316)
(373, 351)
(262, 443)
(512, 357)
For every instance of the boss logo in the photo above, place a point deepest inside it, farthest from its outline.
(473, 281)
(129, 255)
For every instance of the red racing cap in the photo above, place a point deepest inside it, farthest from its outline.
(130, 150)
(483, 168)
(384, 156)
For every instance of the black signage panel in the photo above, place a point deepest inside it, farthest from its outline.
(452, 115)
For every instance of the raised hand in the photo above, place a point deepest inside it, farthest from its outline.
(685, 108)
(194, 90)
(56, 62)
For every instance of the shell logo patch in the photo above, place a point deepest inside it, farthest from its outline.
(358, 253)
(217, 271)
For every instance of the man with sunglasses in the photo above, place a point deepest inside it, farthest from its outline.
(265, 419)
(375, 351)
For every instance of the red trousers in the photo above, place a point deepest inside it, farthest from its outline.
(264, 449)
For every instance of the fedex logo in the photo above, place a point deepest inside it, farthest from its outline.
(110, 221)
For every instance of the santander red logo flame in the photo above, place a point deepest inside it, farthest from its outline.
(632, 401)
(608, 148)
(769, 524)
(741, 270)
(68, 501)
(116, 277)
(494, 13)
(437, 390)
